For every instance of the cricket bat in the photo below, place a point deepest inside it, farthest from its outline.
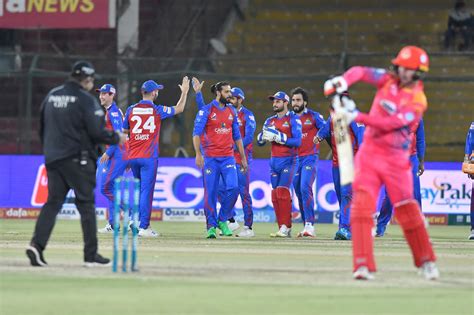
(343, 142)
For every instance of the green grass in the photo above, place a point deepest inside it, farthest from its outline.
(183, 273)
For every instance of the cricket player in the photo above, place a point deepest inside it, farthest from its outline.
(143, 122)
(308, 156)
(417, 158)
(344, 192)
(469, 158)
(216, 129)
(383, 158)
(247, 126)
(283, 130)
(113, 162)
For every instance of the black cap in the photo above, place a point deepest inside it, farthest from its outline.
(83, 68)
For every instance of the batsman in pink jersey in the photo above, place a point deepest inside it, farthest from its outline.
(383, 157)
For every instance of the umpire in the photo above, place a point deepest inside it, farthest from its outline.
(72, 125)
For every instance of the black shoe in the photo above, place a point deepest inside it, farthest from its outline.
(97, 261)
(35, 254)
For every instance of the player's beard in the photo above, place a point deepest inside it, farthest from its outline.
(298, 109)
(224, 100)
(278, 109)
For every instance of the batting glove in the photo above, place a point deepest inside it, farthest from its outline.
(335, 85)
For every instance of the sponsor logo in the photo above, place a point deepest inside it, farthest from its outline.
(388, 106)
(213, 116)
(40, 190)
(444, 192)
(19, 213)
(409, 117)
(208, 171)
(304, 135)
(184, 215)
(114, 114)
(142, 111)
(222, 131)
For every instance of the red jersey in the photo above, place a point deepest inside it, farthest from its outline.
(290, 125)
(143, 120)
(218, 129)
(311, 122)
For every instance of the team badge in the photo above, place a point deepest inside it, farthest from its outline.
(286, 124)
(307, 122)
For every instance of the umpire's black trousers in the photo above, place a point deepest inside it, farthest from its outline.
(64, 175)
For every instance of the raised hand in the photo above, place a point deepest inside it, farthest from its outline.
(197, 86)
(184, 86)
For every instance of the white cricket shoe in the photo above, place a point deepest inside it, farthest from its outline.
(282, 232)
(429, 270)
(471, 237)
(233, 226)
(363, 273)
(148, 232)
(246, 232)
(308, 231)
(106, 230)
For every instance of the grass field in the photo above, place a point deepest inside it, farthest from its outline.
(183, 273)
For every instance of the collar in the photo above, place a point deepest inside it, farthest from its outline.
(146, 102)
(108, 107)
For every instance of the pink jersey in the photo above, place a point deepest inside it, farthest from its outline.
(394, 113)
(290, 125)
(143, 120)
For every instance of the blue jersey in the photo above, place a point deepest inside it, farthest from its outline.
(114, 121)
(469, 149)
(356, 132)
(218, 128)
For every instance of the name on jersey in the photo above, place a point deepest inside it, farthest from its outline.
(142, 137)
(142, 111)
(61, 101)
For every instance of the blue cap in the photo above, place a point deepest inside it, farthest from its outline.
(150, 85)
(106, 88)
(279, 96)
(237, 92)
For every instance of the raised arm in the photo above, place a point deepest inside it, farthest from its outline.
(184, 87)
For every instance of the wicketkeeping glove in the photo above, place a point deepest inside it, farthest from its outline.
(260, 140)
(273, 135)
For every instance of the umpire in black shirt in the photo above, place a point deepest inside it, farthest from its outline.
(71, 128)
